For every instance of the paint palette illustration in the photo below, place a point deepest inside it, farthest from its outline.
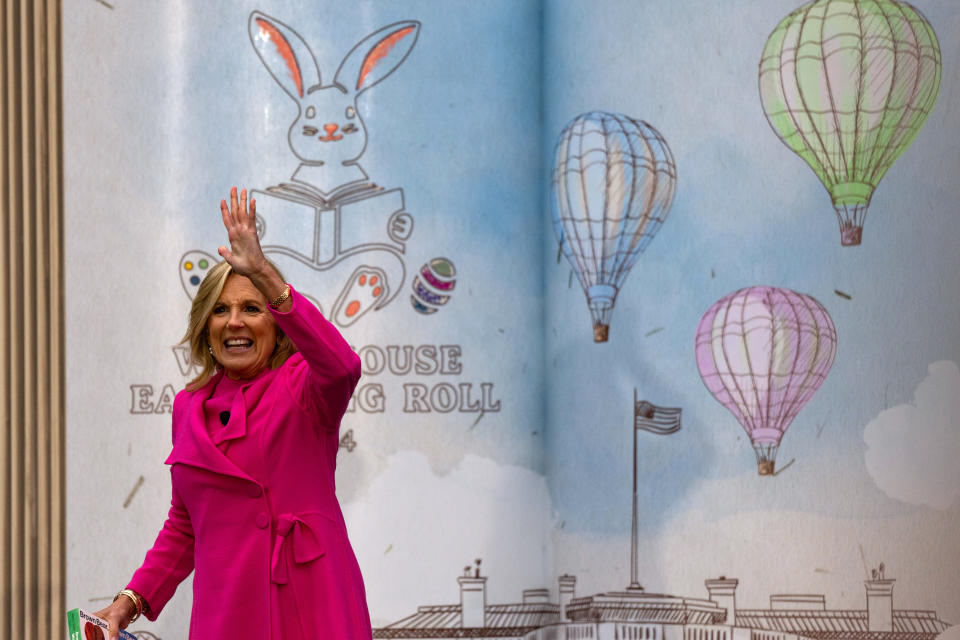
(432, 286)
(193, 266)
(366, 289)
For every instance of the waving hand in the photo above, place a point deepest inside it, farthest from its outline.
(244, 255)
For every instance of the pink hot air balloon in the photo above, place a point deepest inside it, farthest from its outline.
(763, 352)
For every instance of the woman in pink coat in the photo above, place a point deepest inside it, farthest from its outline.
(255, 440)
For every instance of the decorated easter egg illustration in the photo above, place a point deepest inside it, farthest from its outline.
(432, 285)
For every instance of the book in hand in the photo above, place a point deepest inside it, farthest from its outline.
(86, 626)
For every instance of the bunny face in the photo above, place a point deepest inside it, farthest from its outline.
(328, 128)
(328, 133)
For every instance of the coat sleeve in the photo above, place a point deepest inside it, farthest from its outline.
(328, 371)
(170, 560)
(167, 563)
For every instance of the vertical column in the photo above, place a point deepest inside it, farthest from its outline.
(32, 537)
(55, 309)
(6, 264)
(13, 414)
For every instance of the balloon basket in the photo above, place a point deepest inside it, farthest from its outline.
(850, 236)
(601, 332)
(765, 467)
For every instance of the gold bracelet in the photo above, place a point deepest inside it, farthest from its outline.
(282, 297)
(135, 599)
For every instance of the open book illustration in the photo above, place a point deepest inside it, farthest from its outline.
(620, 380)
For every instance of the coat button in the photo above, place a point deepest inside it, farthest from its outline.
(262, 520)
(255, 491)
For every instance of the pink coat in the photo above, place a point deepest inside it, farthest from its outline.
(267, 544)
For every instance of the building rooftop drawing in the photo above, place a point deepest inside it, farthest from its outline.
(639, 614)
(842, 624)
(635, 605)
(443, 621)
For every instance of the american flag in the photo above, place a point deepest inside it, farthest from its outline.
(660, 420)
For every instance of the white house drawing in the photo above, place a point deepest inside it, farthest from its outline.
(634, 614)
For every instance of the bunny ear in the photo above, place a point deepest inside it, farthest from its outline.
(377, 56)
(284, 53)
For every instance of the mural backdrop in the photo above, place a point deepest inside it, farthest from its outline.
(620, 372)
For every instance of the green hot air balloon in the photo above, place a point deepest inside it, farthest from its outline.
(847, 85)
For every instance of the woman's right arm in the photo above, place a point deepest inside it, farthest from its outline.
(167, 563)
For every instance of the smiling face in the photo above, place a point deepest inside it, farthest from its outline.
(328, 130)
(241, 330)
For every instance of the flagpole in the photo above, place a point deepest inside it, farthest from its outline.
(634, 569)
(661, 421)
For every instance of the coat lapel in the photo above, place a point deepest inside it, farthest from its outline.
(193, 445)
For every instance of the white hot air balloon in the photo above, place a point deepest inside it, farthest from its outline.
(613, 183)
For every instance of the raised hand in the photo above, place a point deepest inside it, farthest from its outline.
(244, 255)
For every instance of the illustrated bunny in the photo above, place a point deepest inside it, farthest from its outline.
(328, 135)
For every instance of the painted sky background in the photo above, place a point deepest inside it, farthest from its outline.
(167, 106)
(750, 212)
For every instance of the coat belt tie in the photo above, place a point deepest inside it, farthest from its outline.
(305, 545)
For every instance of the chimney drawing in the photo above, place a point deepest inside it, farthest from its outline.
(723, 591)
(473, 598)
(879, 602)
(567, 584)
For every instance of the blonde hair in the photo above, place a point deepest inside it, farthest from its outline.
(196, 337)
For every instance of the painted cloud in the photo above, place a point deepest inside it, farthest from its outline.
(913, 450)
(437, 525)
